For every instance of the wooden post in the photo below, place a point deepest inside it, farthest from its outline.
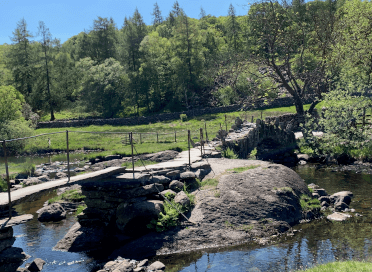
(157, 137)
(261, 115)
(140, 138)
(252, 119)
(131, 143)
(226, 121)
(68, 157)
(188, 140)
(7, 180)
(206, 132)
(201, 141)
(175, 136)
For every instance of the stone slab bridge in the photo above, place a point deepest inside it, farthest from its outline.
(269, 139)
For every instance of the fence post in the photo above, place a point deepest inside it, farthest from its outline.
(175, 136)
(206, 132)
(68, 157)
(201, 141)
(252, 119)
(188, 140)
(7, 180)
(140, 138)
(226, 121)
(131, 144)
(157, 137)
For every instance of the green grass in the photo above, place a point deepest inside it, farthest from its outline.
(307, 203)
(208, 183)
(3, 185)
(347, 266)
(70, 195)
(113, 143)
(138, 163)
(242, 169)
(80, 209)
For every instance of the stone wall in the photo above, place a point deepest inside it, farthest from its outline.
(290, 121)
(244, 140)
(126, 205)
(258, 104)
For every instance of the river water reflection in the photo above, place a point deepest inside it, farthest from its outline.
(317, 242)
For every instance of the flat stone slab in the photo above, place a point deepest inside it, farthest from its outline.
(336, 216)
(16, 220)
(29, 192)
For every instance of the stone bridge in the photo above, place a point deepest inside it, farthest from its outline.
(269, 139)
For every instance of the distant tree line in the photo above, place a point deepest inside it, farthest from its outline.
(180, 62)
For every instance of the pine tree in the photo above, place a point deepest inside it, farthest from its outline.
(233, 28)
(157, 18)
(202, 13)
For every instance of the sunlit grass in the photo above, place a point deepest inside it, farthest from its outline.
(347, 266)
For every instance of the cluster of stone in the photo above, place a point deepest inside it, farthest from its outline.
(244, 136)
(11, 257)
(338, 202)
(288, 122)
(121, 264)
(118, 200)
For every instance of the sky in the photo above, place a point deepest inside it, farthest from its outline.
(66, 18)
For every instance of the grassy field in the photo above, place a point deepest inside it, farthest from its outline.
(154, 142)
(348, 266)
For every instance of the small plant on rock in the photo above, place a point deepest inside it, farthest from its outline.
(229, 154)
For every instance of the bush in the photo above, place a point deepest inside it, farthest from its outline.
(3, 185)
(229, 154)
(183, 117)
(13, 130)
(226, 96)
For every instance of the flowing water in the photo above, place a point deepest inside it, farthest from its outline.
(317, 242)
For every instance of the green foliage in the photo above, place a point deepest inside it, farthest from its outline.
(226, 96)
(3, 185)
(253, 153)
(345, 266)
(307, 203)
(167, 219)
(229, 153)
(80, 209)
(28, 168)
(209, 183)
(183, 117)
(339, 121)
(70, 195)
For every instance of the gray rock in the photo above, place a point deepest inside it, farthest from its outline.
(336, 216)
(324, 198)
(182, 199)
(36, 265)
(313, 186)
(302, 162)
(146, 210)
(320, 192)
(175, 174)
(112, 157)
(53, 212)
(31, 181)
(302, 157)
(315, 195)
(156, 266)
(38, 173)
(201, 173)
(60, 175)
(79, 170)
(13, 255)
(324, 204)
(200, 165)
(341, 206)
(43, 178)
(160, 179)
(143, 263)
(6, 233)
(169, 191)
(5, 243)
(176, 185)
(187, 175)
(123, 266)
(344, 195)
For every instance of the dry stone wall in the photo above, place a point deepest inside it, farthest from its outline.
(143, 120)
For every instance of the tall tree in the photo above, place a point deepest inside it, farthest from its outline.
(46, 46)
(156, 15)
(21, 59)
(104, 39)
(233, 28)
(202, 13)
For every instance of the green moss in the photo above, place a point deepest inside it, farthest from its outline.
(70, 195)
(242, 169)
(80, 209)
(307, 203)
(208, 183)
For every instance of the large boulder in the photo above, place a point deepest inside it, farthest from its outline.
(36, 265)
(176, 185)
(344, 196)
(53, 212)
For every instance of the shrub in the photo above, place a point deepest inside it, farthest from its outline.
(229, 153)
(80, 209)
(183, 117)
(307, 203)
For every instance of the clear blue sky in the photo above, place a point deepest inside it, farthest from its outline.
(66, 18)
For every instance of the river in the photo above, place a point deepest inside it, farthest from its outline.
(314, 243)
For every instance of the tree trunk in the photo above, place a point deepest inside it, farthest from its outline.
(52, 118)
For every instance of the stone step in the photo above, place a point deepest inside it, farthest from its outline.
(16, 220)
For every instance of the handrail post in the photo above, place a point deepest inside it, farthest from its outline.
(201, 142)
(131, 143)
(188, 140)
(7, 180)
(206, 132)
(157, 136)
(175, 136)
(68, 157)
